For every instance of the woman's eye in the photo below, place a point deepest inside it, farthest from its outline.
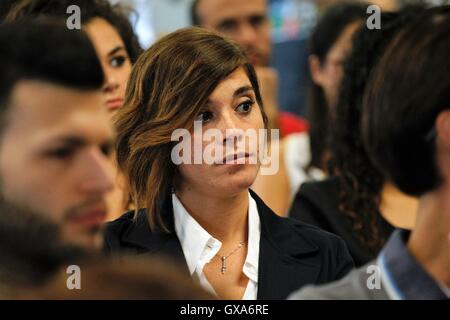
(118, 61)
(245, 107)
(204, 116)
(107, 149)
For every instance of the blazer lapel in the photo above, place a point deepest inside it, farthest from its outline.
(282, 265)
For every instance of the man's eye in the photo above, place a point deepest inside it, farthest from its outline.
(204, 116)
(60, 153)
(118, 61)
(227, 26)
(245, 107)
(256, 21)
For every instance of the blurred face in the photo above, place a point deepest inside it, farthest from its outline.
(54, 157)
(114, 58)
(245, 22)
(231, 109)
(329, 74)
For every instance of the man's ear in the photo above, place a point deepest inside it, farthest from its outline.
(443, 127)
(315, 68)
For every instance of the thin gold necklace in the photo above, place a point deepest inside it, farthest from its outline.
(224, 258)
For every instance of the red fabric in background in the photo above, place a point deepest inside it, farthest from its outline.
(291, 123)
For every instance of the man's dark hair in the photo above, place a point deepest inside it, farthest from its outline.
(406, 93)
(116, 15)
(48, 52)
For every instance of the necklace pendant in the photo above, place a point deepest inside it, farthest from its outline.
(224, 267)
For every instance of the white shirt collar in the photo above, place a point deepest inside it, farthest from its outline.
(199, 247)
(193, 238)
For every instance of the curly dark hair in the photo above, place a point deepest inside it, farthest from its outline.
(116, 15)
(326, 33)
(360, 181)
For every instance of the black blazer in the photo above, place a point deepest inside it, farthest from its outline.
(291, 255)
(316, 203)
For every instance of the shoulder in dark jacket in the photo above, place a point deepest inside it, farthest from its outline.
(317, 203)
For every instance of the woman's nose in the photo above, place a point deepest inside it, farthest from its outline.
(110, 85)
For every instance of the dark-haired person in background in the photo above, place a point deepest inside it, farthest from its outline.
(306, 154)
(55, 134)
(117, 48)
(109, 30)
(407, 130)
(352, 202)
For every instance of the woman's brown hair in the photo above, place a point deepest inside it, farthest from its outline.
(169, 85)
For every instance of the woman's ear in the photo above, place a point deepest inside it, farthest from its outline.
(443, 128)
(315, 68)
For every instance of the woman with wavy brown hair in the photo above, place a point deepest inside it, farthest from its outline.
(203, 215)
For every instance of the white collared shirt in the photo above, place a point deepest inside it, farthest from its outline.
(199, 247)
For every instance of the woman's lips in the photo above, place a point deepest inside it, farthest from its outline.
(234, 158)
(114, 104)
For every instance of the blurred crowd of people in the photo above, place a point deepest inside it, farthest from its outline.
(87, 176)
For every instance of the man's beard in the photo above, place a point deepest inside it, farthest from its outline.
(41, 216)
(31, 249)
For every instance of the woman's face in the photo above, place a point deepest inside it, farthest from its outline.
(329, 74)
(231, 110)
(114, 58)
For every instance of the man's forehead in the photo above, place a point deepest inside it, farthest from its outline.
(39, 106)
(75, 131)
(211, 11)
(42, 101)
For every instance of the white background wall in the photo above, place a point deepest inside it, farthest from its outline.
(158, 17)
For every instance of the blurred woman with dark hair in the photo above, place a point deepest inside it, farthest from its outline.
(406, 128)
(306, 154)
(109, 30)
(204, 215)
(353, 202)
